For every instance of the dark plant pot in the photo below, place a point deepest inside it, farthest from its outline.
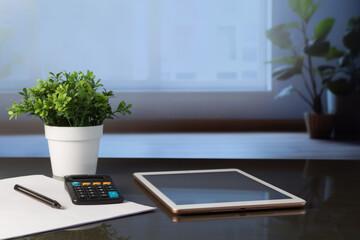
(319, 125)
(347, 114)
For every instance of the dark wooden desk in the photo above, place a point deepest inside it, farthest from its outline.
(331, 189)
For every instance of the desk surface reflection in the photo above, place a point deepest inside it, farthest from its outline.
(329, 187)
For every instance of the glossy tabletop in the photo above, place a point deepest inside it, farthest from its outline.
(330, 187)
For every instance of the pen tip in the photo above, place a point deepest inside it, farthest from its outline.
(57, 205)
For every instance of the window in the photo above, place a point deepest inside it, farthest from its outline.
(138, 46)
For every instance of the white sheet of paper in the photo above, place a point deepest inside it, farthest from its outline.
(22, 215)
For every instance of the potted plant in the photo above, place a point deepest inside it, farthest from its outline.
(73, 110)
(300, 62)
(344, 83)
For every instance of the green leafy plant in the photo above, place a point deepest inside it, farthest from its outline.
(345, 78)
(300, 61)
(68, 99)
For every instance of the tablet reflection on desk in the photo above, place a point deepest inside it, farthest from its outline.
(232, 215)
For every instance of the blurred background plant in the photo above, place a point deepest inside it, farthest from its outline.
(343, 82)
(345, 78)
(300, 61)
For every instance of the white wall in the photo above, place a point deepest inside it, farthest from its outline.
(241, 105)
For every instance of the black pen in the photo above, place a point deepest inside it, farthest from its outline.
(37, 196)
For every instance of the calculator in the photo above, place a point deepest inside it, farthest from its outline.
(92, 189)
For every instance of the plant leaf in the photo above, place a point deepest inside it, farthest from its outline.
(333, 53)
(303, 8)
(280, 36)
(300, 7)
(323, 68)
(351, 38)
(323, 28)
(326, 71)
(340, 86)
(285, 72)
(286, 91)
(311, 12)
(344, 60)
(286, 60)
(353, 22)
(317, 48)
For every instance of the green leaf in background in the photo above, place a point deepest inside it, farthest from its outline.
(326, 72)
(323, 28)
(300, 7)
(286, 60)
(311, 11)
(280, 36)
(340, 86)
(351, 39)
(353, 23)
(285, 72)
(344, 60)
(323, 68)
(333, 53)
(286, 91)
(304, 8)
(317, 48)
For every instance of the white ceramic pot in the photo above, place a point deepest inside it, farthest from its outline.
(73, 150)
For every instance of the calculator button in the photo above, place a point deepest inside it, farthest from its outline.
(82, 196)
(104, 195)
(79, 190)
(96, 183)
(85, 183)
(93, 195)
(75, 183)
(106, 183)
(113, 194)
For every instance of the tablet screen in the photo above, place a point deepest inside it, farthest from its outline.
(213, 187)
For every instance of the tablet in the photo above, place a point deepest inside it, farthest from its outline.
(215, 190)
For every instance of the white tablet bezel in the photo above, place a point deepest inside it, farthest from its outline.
(293, 200)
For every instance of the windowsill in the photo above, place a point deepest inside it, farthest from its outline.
(255, 145)
(166, 126)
